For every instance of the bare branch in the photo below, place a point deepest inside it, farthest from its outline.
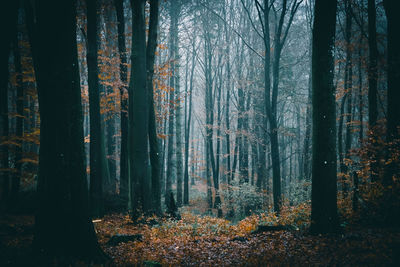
(251, 20)
(235, 31)
(293, 11)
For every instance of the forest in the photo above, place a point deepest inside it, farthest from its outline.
(199, 133)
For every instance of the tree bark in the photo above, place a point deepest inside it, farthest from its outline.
(110, 186)
(63, 204)
(99, 172)
(124, 170)
(19, 131)
(324, 216)
(178, 129)
(138, 113)
(372, 65)
(187, 134)
(8, 17)
(349, 89)
(393, 94)
(153, 139)
(360, 92)
(171, 163)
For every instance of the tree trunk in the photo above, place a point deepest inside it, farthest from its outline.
(307, 136)
(178, 131)
(124, 170)
(393, 94)
(217, 204)
(171, 164)
(372, 65)
(227, 110)
(340, 135)
(360, 93)
(153, 139)
(243, 176)
(208, 178)
(187, 134)
(138, 113)
(324, 216)
(8, 17)
(63, 206)
(262, 146)
(110, 186)
(19, 131)
(98, 163)
(349, 88)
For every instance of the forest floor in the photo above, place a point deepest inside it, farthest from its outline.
(208, 241)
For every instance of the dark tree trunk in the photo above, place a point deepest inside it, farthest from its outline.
(372, 66)
(8, 17)
(171, 163)
(300, 166)
(307, 136)
(170, 153)
(349, 89)
(138, 113)
(279, 41)
(275, 157)
(178, 108)
(178, 132)
(124, 171)
(227, 108)
(243, 175)
(268, 108)
(243, 148)
(16, 181)
(194, 164)
(34, 148)
(393, 93)
(153, 139)
(187, 134)
(208, 178)
(217, 204)
(99, 173)
(340, 134)
(324, 216)
(372, 82)
(110, 186)
(262, 145)
(63, 205)
(360, 92)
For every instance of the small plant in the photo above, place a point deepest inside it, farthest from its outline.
(242, 200)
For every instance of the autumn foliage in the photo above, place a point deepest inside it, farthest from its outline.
(209, 241)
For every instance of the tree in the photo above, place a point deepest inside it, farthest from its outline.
(16, 180)
(178, 107)
(63, 204)
(153, 139)
(124, 170)
(109, 118)
(324, 216)
(372, 81)
(98, 163)
(348, 87)
(372, 65)
(393, 84)
(188, 116)
(8, 16)
(271, 97)
(138, 113)
(209, 48)
(281, 34)
(174, 10)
